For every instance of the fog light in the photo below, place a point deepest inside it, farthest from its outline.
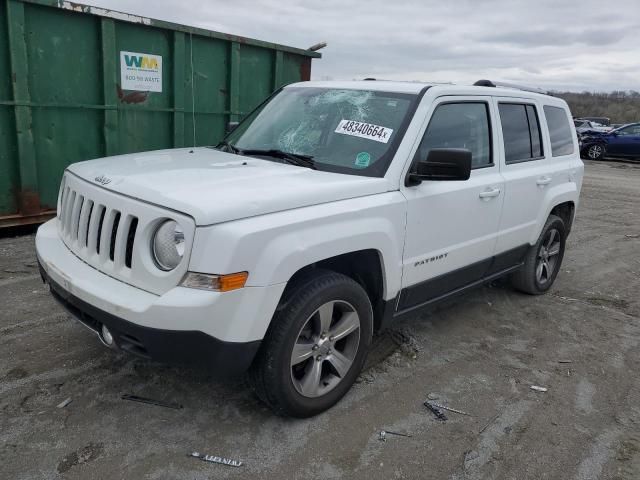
(106, 336)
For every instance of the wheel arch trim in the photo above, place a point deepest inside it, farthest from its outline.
(558, 195)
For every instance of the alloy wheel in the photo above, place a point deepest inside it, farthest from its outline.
(595, 152)
(548, 256)
(325, 348)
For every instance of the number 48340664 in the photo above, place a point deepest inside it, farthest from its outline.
(364, 130)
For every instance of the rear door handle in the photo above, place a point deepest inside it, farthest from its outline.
(490, 193)
(542, 181)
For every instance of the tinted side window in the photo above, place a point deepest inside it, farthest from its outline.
(534, 129)
(521, 132)
(559, 131)
(460, 125)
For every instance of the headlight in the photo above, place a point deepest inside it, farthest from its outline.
(168, 245)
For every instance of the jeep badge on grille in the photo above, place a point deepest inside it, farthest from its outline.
(102, 180)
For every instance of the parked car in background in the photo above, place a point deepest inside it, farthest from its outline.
(623, 142)
(583, 126)
(604, 121)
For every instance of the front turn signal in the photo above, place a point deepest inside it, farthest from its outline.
(233, 281)
(217, 283)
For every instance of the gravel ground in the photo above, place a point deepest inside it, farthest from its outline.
(479, 353)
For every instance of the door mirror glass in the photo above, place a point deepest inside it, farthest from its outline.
(444, 164)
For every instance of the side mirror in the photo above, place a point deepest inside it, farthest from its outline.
(231, 126)
(443, 164)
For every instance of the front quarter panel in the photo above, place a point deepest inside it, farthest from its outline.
(272, 248)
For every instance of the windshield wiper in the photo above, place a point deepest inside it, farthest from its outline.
(230, 147)
(293, 158)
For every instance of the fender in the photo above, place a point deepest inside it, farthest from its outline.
(565, 192)
(273, 247)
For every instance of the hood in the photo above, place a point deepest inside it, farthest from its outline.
(214, 187)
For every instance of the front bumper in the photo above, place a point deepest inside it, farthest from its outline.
(169, 346)
(183, 325)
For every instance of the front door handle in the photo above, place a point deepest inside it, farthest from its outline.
(542, 181)
(490, 193)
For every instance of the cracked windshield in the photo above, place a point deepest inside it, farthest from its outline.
(345, 131)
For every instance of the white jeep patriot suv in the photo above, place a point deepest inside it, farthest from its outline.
(329, 212)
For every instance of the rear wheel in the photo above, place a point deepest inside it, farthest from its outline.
(316, 346)
(543, 260)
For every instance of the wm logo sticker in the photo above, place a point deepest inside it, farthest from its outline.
(141, 62)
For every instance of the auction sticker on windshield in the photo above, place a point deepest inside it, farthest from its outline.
(364, 130)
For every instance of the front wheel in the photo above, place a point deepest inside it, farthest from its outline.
(542, 261)
(594, 152)
(315, 347)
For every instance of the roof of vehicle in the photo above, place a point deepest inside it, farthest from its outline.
(417, 87)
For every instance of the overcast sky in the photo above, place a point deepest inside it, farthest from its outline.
(559, 44)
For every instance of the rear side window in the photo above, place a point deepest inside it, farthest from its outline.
(521, 132)
(559, 131)
(460, 125)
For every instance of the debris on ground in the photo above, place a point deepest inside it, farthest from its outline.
(83, 456)
(215, 459)
(151, 401)
(64, 403)
(444, 407)
(439, 414)
(493, 419)
(538, 389)
(433, 396)
(407, 342)
(383, 435)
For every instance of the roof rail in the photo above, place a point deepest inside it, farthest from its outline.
(489, 83)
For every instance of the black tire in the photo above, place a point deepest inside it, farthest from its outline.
(595, 151)
(271, 372)
(528, 279)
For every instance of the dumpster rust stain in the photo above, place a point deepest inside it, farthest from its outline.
(28, 202)
(131, 97)
(233, 38)
(79, 7)
(305, 70)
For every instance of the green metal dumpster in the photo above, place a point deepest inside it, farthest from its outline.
(80, 82)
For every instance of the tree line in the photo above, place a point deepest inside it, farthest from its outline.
(620, 106)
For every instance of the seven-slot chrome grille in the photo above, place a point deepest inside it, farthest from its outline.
(113, 233)
(96, 228)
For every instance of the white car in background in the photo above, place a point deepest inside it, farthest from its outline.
(583, 126)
